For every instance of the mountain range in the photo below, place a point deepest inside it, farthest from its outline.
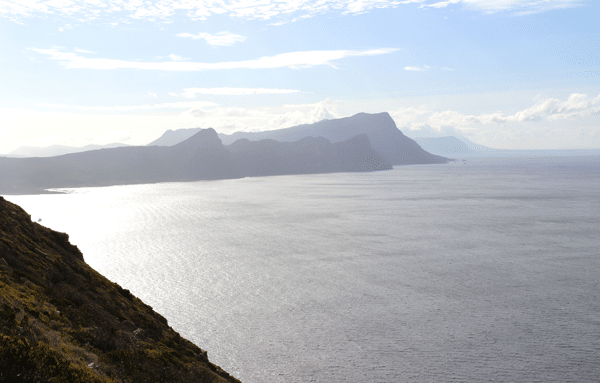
(201, 157)
(380, 128)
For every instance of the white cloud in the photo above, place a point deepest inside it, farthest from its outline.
(175, 57)
(325, 109)
(249, 9)
(520, 7)
(425, 130)
(577, 106)
(224, 91)
(441, 4)
(551, 109)
(229, 120)
(416, 68)
(362, 6)
(405, 116)
(562, 122)
(166, 10)
(290, 60)
(451, 117)
(546, 124)
(221, 38)
(195, 10)
(169, 105)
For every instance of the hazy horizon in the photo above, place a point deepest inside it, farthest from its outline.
(505, 74)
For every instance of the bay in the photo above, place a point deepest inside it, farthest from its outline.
(479, 270)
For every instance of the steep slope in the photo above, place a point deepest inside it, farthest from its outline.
(173, 137)
(306, 156)
(60, 319)
(380, 128)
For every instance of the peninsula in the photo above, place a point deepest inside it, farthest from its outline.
(200, 157)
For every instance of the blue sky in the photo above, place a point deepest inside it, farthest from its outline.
(512, 74)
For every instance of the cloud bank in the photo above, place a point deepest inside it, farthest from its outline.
(124, 108)
(294, 60)
(250, 9)
(221, 38)
(550, 123)
(519, 7)
(229, 119)
(545, 124)
(104, 127)
(225, 91)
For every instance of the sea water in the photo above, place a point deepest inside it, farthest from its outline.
(478, 270)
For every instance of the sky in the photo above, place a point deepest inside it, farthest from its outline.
(509, 74)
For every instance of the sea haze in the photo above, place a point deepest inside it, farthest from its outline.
(478, 270)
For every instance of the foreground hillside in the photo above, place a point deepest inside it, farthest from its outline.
(62, 321)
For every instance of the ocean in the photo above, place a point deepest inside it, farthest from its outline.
(484, 269)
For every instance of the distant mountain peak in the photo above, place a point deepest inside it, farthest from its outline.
(382, 132)
(203, 139)
(173, 137)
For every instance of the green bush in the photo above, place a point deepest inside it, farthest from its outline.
(20, 361)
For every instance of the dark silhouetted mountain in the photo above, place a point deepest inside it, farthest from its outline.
(380, 128)
(173, 137)
(308, 155)
(200, 157)
(450, 145)
(61, 321)
(57, 150)
(384, 135)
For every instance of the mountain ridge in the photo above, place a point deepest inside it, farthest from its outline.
(200, 157)
(384, 135)
(380, 128)
(173, 137)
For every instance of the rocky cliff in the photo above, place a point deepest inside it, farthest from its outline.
(62, 321)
